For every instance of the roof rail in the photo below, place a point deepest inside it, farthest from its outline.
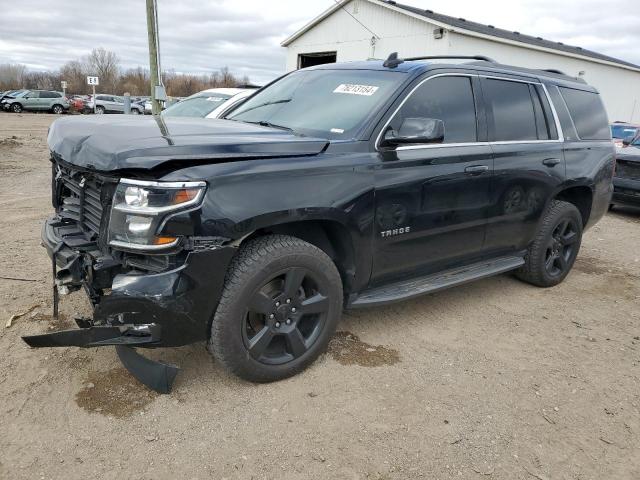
(554, 70)
(456, 57)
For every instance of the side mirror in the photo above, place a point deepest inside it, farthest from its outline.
(627, 141)
(416, 130)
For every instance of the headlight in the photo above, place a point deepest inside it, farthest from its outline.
(140, 208)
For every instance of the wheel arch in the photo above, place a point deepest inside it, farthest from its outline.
(581, 196)
(330, 236)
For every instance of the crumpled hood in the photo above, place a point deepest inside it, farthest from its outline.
(110, 142)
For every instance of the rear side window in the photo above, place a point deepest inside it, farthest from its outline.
(514, 117)
(588, 114)
(449, 99)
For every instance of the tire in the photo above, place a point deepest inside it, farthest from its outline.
(99, 109)
(552, 253)
(57, 109)
(16, 107)
(250, 332)
(135, 111)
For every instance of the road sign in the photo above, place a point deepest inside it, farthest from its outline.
(92, 81)
(63, 84)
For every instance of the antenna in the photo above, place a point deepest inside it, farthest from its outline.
(392, 61)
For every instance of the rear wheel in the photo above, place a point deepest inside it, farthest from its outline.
(281, 303)
(553, 252)
(16, 107)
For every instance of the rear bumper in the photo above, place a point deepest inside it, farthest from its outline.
(181, 302)
(626, 192)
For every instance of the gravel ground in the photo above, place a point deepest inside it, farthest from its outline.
(495, 379)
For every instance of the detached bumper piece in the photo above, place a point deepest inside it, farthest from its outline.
(155, 375)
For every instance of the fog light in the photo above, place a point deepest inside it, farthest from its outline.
(138, 225)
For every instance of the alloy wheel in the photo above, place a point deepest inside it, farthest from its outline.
(285, 317)
(561, 247)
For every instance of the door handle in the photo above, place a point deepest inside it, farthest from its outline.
(551, 162)
(476, 169)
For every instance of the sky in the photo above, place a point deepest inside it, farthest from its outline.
(201, 36)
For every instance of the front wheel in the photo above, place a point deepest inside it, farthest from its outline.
(16, 108)
(553, 252)
(280, 306)
(99, 110)
(57, 109)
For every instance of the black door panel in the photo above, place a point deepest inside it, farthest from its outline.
(429, 210)
(521, 185)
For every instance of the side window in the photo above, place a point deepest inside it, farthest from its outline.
(33, 94)
(449, 99)
(588, 114)
(511, 106)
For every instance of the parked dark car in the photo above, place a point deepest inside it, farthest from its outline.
(626, 182)
(346, 185)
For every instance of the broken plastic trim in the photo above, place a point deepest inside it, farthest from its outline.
(155, 375)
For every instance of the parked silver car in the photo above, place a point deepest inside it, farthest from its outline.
(112, 104)
(37, 100)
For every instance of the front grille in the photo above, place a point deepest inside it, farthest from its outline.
(82, 198)
(627, 169)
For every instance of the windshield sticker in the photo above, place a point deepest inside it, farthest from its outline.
(354, 89)
(337, 130)
(214, 99)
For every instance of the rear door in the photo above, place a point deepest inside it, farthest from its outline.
(118, 104)
(529, 166)
(432, 200)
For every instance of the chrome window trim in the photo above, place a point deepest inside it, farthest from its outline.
(556, 119)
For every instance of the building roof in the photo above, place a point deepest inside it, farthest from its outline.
(463, 25)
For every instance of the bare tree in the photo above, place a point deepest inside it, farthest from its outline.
(105, 65)
(12, 76)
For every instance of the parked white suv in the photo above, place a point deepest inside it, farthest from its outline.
(211, 103)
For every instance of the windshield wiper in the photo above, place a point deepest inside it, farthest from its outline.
(274, 102)
(264, 123)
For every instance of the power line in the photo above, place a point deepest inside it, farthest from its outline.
(339, 2)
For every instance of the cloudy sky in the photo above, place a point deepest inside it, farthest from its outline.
(203, 35)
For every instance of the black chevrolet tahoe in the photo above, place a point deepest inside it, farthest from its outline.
(339, 186)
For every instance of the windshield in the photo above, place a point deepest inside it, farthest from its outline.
(198, 105)
(332, 104)
(623, 131)
(21, 94)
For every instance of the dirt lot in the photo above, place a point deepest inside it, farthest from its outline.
(496, 380)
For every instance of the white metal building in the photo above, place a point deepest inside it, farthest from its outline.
(361, 29)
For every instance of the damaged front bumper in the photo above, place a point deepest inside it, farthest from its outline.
(133, 308)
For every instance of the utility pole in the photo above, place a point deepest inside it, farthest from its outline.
(157, 90)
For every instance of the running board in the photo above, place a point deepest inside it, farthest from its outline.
(435, 282)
